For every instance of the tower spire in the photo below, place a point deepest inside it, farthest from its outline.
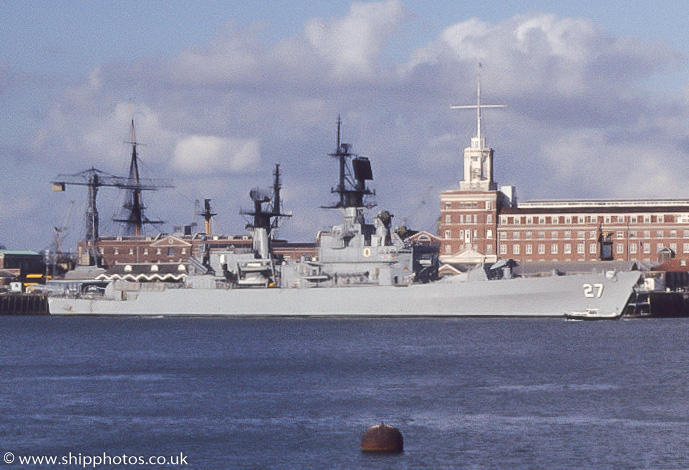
(480, 140)
(478, 158)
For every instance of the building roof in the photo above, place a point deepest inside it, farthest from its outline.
(19, 252)
(600, 205)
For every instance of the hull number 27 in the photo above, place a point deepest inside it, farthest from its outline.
(593, 290)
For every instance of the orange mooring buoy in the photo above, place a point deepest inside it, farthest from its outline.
(382, 438)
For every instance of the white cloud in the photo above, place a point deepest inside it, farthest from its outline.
(204, 154)
(351, 45)
(218, 115)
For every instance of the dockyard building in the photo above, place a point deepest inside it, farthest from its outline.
(481, 222)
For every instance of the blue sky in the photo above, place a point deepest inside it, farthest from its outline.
(597, 96)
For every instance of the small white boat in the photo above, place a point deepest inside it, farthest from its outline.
(592, 314)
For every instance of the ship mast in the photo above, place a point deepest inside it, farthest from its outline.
(134, 208)
(265, 215)
(352, 181)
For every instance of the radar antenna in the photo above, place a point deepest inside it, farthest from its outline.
(355, 170)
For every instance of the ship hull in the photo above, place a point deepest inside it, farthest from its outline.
(533, 297)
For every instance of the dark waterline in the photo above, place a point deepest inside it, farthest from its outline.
(299, 393)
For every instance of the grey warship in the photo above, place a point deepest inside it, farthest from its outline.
(362, 269)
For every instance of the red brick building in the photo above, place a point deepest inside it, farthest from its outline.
(164, 248)
(481, 223)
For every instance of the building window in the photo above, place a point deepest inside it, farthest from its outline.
(581, 235)
(659, 234)
(516, 235)
(528, 235)
(592, 234)
(620, 248)
(647, 234)
(515, 249)
(633, 219)
(620, 235)
(448, 219)
(673, 247)
(541, 248)
(489, 248)
(541, 220)
(529, 249)
(503, 220)
(581, 249)
(647, 247)
(607, 219)
(489, 219)
(171, 251)
(503, 249)
(553, 248)
(448, 206)
(541, 234)
(647, 219)
(116, 251)
(448, 249)
(131, 251)
(568, 234)
(448, 235)
(517, 220)
(632, 248)
(184, 251)
(673, 233)
(685, 247)
(553, 235)
(659, 247)
(568, 249)
(475, 218)
(632, 234)
(529, 221)
(145, 251)
(489, 233)
(159, 251)
(661, 218)
(568, 220)
(592, 248)
(489, 205)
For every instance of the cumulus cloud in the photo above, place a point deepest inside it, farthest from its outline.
(217, 116)
(351, 45)
(205, 154)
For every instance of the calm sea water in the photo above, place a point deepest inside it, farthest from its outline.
(299, 393)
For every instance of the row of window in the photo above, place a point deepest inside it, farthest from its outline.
(467, 219)
(593, 219)
(469, 205)
(554, 248)
(158, 251)
(468, 233)
(592, 234)
(593, 247)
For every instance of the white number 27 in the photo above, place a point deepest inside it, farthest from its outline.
(593, 290)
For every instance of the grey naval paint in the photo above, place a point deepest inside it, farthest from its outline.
(552, 296)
